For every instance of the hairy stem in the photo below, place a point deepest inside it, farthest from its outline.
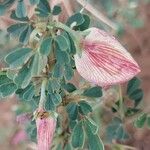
(121, 107)
(43, 95)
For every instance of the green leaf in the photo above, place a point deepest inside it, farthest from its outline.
(140, 121)
(43, 8)
(7, 89)
(62, 42)
(49, 105)
(68, 71)
(72, 124)
(4, 79)
(23, 77)
(77, 18)
(85, 25)
(56, 10)
(38, 64)
(46, 46)
(69, 87)
(56, 98)
(93, 92)
(68, 147)
(59, 147)
(18, 57)
(94, 141)
(31, 131)
(25, 35)
(137, 94)
(84, 107)
(33, 2)
(17, 29)
(72, 110)
(21, 9)
(5, 5)
(92, 125)
(29, 93)
(78, 136)
(58, 71)
(132, 111)
(62, 57)
(13, 16)
(72, 45)
(133, 84)
(115, 130)
(53, 85)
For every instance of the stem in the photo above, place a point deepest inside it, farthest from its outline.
(121, 107)
(43, 96)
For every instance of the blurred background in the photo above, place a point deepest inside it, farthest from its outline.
(132, 19)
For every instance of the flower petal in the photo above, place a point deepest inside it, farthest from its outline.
(104, 60)
(45, 131)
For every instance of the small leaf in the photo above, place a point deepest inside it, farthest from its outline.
(85, 24)
(56, 98)
(25, 35)
(78, 136)
(132, 111)
(28, 95)
(72, 45)
(77, 18)
(49, 105)
(94, 141)
(139, 123)
(115, 130)
(133, 84)
(92, 125)
(68, 147)
(4, 79)
(21, 9)
(53, 85)
(62, 42)
(72, 110)
(69, 87)
(137, 94)
(46, 46)
(68, 71)
(18, 57)
(23, 78)
(62, 57)
(84, 107)
(58, 71)
(56, 10)
(17, 29)
(13, 16)
(43, 8)
(93, 92)
(7, 89)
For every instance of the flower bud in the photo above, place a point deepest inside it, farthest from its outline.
(46, 125)
(104, 61)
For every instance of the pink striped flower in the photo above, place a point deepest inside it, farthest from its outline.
(45, 130)
(104, 61)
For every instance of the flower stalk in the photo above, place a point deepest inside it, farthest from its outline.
(43, 96)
